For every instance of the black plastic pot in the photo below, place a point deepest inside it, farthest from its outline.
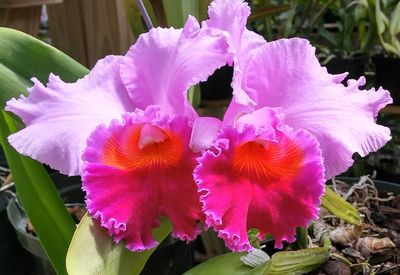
(71, 192)
(14, 259)
(218, 85)
(172, 257)
(387, 75)
(31, 243)
(3, 160)
(355, 66)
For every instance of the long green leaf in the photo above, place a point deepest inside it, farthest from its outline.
(44, 207)
(92, 251)
(262, 12)
(23, 57)
(340, 207)
(394, 25)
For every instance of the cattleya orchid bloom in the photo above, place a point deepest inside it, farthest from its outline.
(128, 129)
(125, 128)
(290, 126)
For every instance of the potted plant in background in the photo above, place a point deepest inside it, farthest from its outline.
(341, 47)
(292, 18)
(14, 259)
(386, 16)
(72, 195)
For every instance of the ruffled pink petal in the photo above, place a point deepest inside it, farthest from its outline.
(204, 133)
(164, 63)
(231, 16)
(274, 185)
(286, 74)
(60, 117)
(128, 187)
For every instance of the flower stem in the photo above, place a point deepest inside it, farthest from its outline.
(145, 14)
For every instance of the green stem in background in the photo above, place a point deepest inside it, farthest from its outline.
(301, 237)
(299, 26)
(159, 12)
(268, 23)
(288, 27)
(318, 16)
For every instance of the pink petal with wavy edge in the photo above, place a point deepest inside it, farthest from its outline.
(164, 63)
(231, 16)
(286, 74)
(128, 188)
(60, 117)
(273, 185)
(204, 133)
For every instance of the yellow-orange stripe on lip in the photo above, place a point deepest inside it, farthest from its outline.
(267, 160)
(122, 150)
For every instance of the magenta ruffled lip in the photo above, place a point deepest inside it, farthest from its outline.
(234, 203)
(128, 199)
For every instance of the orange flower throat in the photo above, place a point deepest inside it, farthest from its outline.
(123, 150)
(268, 160)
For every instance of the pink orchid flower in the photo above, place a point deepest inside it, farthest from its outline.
(125, 128)
(290, 126)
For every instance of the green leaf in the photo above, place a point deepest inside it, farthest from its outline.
(229, 263)
(281, 263)
(44, 207)
(194, 95)
(177, 11)
(135, 19)
(262, 12)
(336, 205)
(92, 251)
(253, 235)
(394, 25)
(23, 57)
(296, 262)
(380, 18)
(329, 37)
(301, 237)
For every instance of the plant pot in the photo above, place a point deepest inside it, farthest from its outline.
(28, 241)
(355, 66)
(218, 85)
(14, 259)
(71, 192)
(387, 75)
(171, 257)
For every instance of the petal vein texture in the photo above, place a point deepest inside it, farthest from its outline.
(60, 117)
